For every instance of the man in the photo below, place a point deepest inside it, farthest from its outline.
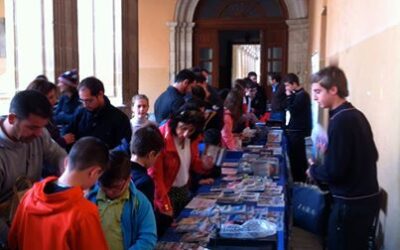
(25, 148)
(99, 118)
(278, 98)
(349, 168)
(173, 98)
(259, 102)
(299, 126)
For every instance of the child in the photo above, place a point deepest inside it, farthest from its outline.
(146, 144)
(140, 106)
(54, 214)
(126, 215)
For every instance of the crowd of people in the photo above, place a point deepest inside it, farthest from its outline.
(76, 162)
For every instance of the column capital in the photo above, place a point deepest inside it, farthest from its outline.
(302, 23)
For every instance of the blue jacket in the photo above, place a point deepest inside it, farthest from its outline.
(109, 124)
(66, 107)
(138, 223)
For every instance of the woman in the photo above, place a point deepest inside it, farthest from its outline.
(171, 172)
(49, 89)
(232, 112)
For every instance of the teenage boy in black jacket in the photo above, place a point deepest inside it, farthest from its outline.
(299, 126)
(349, 168)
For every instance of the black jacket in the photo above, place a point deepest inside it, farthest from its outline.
(109, 124)
(167, 102)
(351, 156)
(299, 106)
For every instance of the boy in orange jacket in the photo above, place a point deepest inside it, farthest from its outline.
(54, 214)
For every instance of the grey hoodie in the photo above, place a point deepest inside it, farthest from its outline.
(25, 159)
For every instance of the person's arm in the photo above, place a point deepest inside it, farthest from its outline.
(146, 235)
(123, 133)
(53, 154)
(227, 134)
(161, 199)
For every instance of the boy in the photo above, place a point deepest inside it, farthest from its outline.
(146, 144)
(349, 168)
(299, 126)
(54, 214)
(126, 215)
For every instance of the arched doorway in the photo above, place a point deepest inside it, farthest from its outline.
(182, 41)
(220, 25)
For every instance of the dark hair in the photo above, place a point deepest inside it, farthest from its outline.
(251, 73)
(185, 74)
(291, 78)
(332, 76)
(250, 84)
(119, 169)
(239, 84)
(145, 140)
(93, 84)
(29, 102)
(275, 76)
(233, 103)
(198, 92)
(188, 115)
(88, 151)
(41, 85)
(42, 77)
(200, 78)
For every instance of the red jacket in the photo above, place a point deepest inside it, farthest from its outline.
(167, 166)
(62, 220)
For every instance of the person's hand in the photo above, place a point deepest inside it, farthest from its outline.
(208, 162)
(310, 161)
(308, 174)
(69, 138)
(208, 181)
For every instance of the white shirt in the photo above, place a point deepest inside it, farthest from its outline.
(184, 153)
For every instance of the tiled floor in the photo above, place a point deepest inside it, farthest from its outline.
(302, 240)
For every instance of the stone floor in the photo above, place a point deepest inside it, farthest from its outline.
(302, 240)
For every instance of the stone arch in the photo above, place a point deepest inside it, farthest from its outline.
(181, 36)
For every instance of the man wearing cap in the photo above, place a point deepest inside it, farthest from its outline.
(69, 101)
(99, 118)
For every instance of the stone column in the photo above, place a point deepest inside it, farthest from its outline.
(298, 61)
(65, 36)
(130, 50)
(172, 50)
(180, 46)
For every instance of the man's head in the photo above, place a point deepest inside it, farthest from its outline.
(291, 82)
(115, 180)
(88, 156)
(329, 85)
(147, 143)
(29, 113)
(274, 78)
(251, 88)
(91, 93)
(184, 80)
(252, 76)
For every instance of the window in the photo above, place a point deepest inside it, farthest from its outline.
(26, 45)
(100, 44)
